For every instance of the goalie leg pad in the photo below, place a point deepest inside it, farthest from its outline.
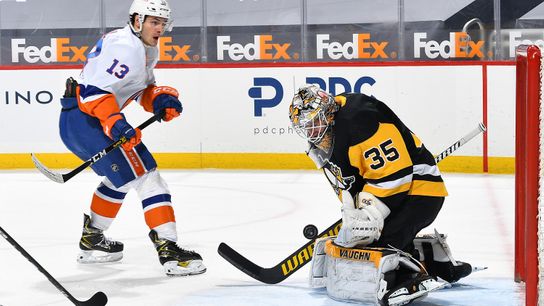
(435, 253)
(318, 269)
(371, 275)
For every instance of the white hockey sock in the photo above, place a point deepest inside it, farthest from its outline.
(167, 231)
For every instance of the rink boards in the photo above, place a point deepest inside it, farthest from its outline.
(236, 116)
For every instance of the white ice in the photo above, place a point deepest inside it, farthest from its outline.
(259, 213)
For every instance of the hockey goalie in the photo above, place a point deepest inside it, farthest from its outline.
(390, 188)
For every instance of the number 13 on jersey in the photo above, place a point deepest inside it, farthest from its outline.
(120, 71)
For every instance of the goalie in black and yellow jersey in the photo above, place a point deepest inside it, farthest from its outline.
(390, 188)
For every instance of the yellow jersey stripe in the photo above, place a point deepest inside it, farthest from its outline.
(426, 188)
(381, 192)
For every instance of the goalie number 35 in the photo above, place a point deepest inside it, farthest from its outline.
(379, 155)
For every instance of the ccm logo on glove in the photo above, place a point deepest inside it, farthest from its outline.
(157, 99)
(117, 127)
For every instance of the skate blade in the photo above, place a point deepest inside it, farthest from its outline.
(91, 257)
(429, 286)
(174, 268)
(478, 269)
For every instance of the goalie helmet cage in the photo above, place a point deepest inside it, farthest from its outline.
(528, 243)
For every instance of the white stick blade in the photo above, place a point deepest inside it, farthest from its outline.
(54, 176)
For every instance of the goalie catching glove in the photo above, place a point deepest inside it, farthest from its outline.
(362, 220)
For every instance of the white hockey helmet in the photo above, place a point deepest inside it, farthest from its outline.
(157, 8)
(312, 113)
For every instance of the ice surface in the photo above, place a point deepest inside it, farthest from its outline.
(259, 213)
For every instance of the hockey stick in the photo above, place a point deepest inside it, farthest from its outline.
(304, 254)
(98, 299)
(481, 128)
(63, 178)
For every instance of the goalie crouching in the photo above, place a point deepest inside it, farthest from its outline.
(390, 188)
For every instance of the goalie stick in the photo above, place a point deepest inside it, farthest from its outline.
(98, 299)
(63, 178)
(303, 255)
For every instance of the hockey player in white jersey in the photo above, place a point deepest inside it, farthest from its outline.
(119, 70)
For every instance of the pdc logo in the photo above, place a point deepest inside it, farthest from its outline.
(256, 93)
(262, 48)
(267, 92)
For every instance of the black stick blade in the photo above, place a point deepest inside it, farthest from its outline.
(247, 266)
(98, 299)
(282, 270)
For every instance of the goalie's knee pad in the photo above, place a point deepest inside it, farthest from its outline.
(436, 255)
(369, 275)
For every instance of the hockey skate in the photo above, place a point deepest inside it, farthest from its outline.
(175, 260)
(411, 290)
(435, 254)
(95, 247)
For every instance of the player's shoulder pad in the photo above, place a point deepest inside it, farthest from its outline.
(124, 47)
(358, 117)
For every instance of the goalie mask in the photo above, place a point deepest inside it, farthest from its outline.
(312, 115)
(144, 8)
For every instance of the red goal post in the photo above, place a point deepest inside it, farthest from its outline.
(527, 178)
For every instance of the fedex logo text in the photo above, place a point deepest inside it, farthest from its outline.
(515, 39)
(59, 50)
(458, 46)
(361, 46)
(262, 48)
(169, 52)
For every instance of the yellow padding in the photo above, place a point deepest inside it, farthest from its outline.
(366, 255)
(272, 161)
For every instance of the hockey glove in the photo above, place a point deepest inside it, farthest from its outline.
(362, 220)
(169, 104)
(117, 127)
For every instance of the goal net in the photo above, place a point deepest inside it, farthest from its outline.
(528, 172)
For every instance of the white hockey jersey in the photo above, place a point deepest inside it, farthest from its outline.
(119, 65)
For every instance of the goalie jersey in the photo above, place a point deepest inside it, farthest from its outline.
(374, 151)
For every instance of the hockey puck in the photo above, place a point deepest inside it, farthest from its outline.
(310, 231)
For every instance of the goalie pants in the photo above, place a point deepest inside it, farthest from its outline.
(404, 222)
(83, 135)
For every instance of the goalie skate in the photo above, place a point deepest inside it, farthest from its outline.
(175, 260)
(411, 290)
(435, 253)
(95, 247)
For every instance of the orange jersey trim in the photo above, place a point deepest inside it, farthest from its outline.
(159, 215)
(103, 207)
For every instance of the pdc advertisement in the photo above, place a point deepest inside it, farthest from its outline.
(245, 110)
